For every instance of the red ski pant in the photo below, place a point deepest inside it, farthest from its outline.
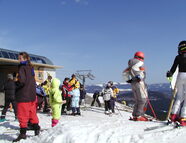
(26, 111)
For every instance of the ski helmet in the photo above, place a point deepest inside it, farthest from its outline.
(139, 55)
(182, 47)
(111, 82)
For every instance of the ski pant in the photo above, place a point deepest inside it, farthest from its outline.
(67, 105)
(181, 95)
(107, 105)
(26, 111)
(97, 100)
(140, 95)
(56, 111)
(7, 105)
(112, 104)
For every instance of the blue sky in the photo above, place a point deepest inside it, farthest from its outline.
(101, 35)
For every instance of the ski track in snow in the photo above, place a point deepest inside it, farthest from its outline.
(93, 127)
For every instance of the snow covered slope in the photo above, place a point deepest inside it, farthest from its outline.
(95, 127)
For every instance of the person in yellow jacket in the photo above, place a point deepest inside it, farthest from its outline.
(75, 94)
(47, 86)
(114, 97)
(55, 100)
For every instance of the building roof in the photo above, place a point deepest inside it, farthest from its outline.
(10, 56)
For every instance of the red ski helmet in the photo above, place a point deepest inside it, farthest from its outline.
(139, 55)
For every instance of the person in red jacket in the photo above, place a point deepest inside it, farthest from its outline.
(66, 96)
(26, 96)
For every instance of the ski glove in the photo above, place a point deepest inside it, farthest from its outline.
(129, 81)
(169, 74)
(169, 79)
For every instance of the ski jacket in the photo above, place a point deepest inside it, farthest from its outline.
(40, 91)
(115, 91)
(65, 89)
(47, 87)
(180, 61)
(107, 94)
(9, 88)
(82, 93)
(26, 85)
(55, 92)
(135, 68)
(74, 83)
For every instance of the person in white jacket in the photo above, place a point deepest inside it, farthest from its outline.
(135, 73)
(107, 94)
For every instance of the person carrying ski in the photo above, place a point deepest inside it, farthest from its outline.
(113, 98)
(26, 96)
(75, 93)
(107, 94)
(55, 101)
(9, 88)
(135, 74)
(96, 98)
(66, 88)
(180, 102)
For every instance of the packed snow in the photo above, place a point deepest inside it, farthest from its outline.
(93, 126)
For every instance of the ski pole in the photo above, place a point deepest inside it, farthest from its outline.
(153, 112)
(172, 101)
(118, 110)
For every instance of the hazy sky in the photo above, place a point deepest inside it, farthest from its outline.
(100, 35)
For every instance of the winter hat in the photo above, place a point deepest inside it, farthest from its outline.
(10, 76)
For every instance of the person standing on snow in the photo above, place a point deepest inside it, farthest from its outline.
(75, 93)
(55, 101)
(136, 77)
(113, 98)
(66, 88)
(26, 96)
(47, 86)
(9, 89)
(180, 62)
(96, 98)
(82, 95)
(107, 94)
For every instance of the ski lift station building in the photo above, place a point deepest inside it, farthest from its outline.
(9, 64)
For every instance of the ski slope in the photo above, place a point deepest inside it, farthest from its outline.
(94, 127)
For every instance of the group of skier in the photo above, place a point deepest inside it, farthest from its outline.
(64, 98)
(135, 75)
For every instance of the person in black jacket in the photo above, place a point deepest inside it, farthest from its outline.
(96, 98)
(26, 96)
(178, 113)
(82, 95)
(9, 88)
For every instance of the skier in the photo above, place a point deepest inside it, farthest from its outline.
(180, 62)
(96, 98)
(82, 95)
(66, 88)
(136, 77)
(9, 89)
(55, 101)
(75, 93)
(107, 94)
(47, 86)
(26, 96)
(113, 98)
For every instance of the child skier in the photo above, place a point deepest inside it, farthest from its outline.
(55, 101)
(26, 96)
(96, 98)
(180, 62)
(136, 77)
(75, 95)
(107, 94)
